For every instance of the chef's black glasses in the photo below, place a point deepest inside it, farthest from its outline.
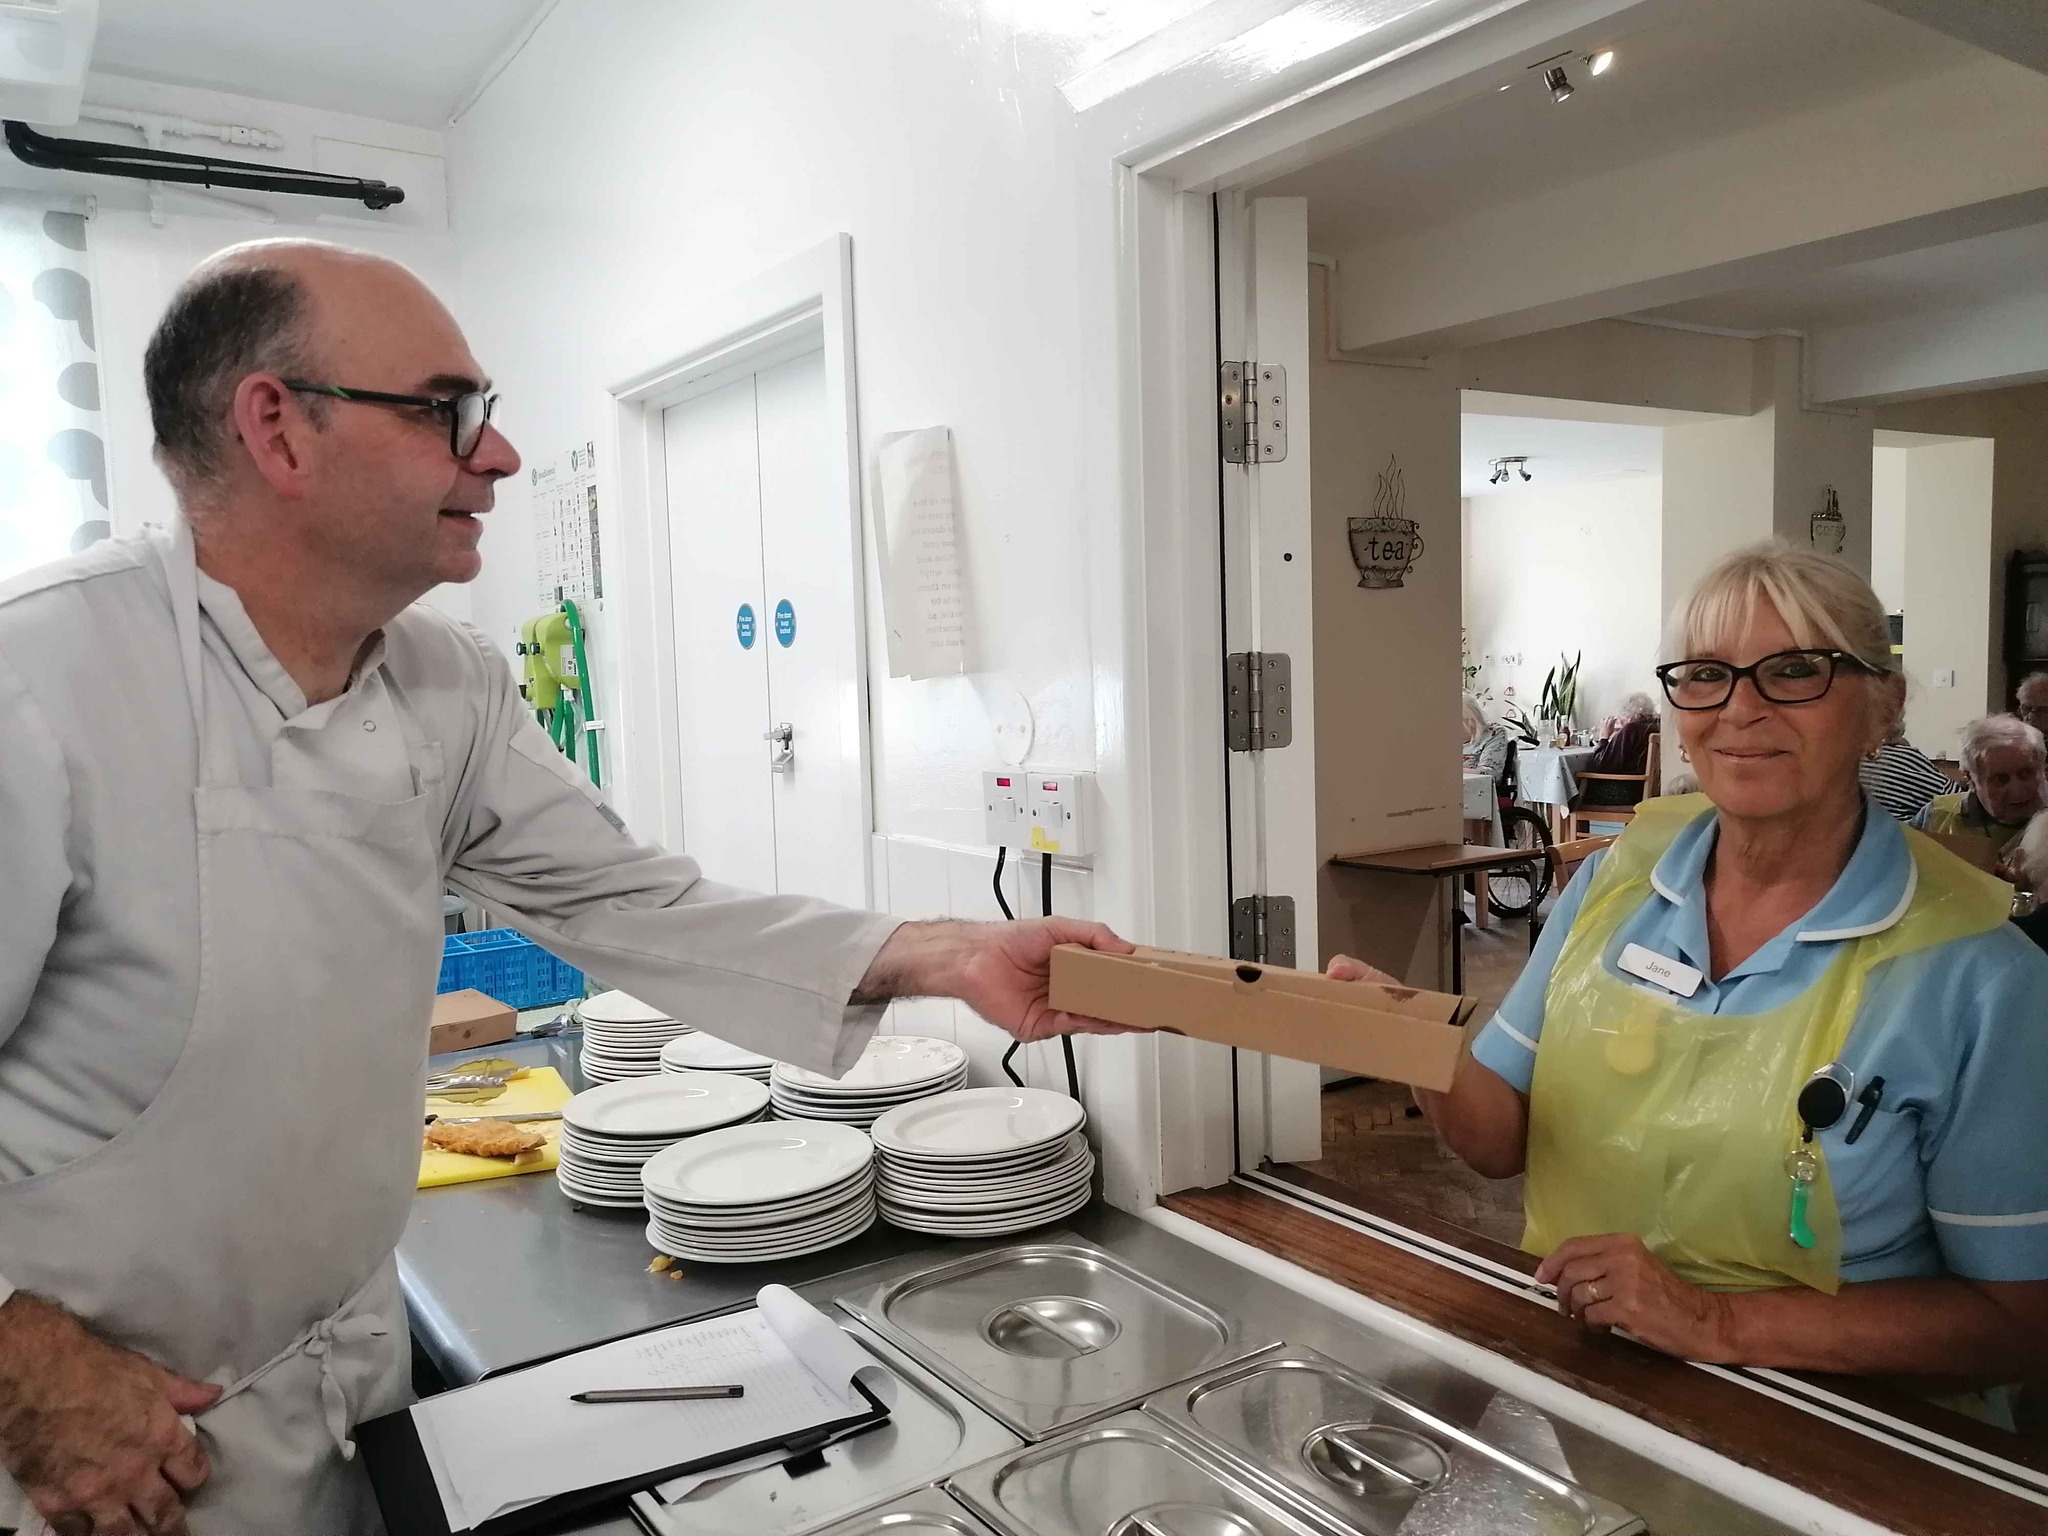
(466, 414)
(1783, 677)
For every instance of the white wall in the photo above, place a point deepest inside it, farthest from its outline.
(1949, 577)
(1566, 570)
(1718, 495)
(1888, 527)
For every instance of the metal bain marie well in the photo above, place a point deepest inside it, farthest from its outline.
(1131, 1475)
(1377, 1461)
(1046, 1335)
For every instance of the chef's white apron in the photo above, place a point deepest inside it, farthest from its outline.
(241, 1229)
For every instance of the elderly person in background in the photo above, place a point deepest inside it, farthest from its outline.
(1486, 744)
(2004, 757)
(2032, 696)
(1902, 778)
(1624, 748)
(1647, 1070)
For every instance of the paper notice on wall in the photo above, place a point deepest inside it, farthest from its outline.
(565, 527)
(924, 599)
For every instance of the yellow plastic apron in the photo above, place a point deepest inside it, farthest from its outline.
(1650, 1117)
(1945, 813)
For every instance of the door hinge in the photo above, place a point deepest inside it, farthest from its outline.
(1262, 929)
(1258, 700)
(1253, 419)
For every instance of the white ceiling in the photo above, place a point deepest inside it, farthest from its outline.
(406, 61)
(1561, 452)
(1709, 72)
(1966, 273)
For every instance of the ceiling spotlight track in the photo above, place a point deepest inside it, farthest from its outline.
(1558, 83)
(1507, 465)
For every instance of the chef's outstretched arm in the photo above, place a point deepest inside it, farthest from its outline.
(798, 979)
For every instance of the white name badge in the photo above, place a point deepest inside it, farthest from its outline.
(1672, 975)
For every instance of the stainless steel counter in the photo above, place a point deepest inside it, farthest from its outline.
(504, 1273)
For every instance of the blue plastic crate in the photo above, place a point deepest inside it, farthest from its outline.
(508, 966)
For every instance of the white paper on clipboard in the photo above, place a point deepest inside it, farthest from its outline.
(924, 596)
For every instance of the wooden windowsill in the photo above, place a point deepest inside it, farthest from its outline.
(1833, 1463)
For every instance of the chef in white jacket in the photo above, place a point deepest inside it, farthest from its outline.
(240, 763)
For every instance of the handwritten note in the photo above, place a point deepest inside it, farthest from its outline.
(924, 599)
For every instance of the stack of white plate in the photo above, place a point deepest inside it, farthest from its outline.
(983, 1162)
(893, 1070)
(755, 1193)
(608, 1132)
(623, 1037)
(698, 1052)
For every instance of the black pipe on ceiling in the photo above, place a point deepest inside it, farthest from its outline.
(98, 159)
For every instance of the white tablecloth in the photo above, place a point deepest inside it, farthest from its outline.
(1548, 774)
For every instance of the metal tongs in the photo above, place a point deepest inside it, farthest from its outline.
(474, 1082)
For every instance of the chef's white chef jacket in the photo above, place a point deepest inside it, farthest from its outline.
(99, 963)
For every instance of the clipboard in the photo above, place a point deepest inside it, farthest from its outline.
(411, 1504)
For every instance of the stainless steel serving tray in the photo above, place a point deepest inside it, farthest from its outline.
(931, 1433)
(1051, 1334)
(921, 1512)
(1131, 1475)
(1375, 1461)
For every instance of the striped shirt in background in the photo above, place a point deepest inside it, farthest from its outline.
(1902, 779)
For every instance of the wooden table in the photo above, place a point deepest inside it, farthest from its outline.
(1447, 863)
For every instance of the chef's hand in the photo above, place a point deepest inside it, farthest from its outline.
(90, 1431)
(1000, 970)
(1613, 1281)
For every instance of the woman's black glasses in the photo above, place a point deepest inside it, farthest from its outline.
(1783, 677)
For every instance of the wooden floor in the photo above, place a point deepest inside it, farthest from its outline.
(1374, 1141)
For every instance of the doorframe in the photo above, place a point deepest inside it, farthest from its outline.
(796, 306)
(1161, 562)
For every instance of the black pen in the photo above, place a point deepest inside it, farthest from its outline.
(656, 1394)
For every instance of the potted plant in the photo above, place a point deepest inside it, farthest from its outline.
(1560, 701)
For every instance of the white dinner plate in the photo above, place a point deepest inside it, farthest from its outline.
(889, 1062)
(618, 1008)
(751, 1164)
(675, 1103)
(1011, 1200)
(939, 1226)
(880, 1099)
(766, 1254)
(683, 1212)
(818, 1225)
(752, 1220)
(951, 1170)
(708, 1053)
(979, 1122)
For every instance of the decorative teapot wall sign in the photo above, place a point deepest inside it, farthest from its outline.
(1826, 528)
(1386, 545)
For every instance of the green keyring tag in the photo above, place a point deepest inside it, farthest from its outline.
(1801, 1232)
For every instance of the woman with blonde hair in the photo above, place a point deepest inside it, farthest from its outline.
(1774, 1070)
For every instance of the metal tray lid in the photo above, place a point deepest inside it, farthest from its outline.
(1050, 1334)
(931, 1432)
(1131, 1475)
(1376, 1461)
(921, 1512)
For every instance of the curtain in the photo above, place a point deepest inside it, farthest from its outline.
(53, 451)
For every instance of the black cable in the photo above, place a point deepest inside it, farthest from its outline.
(1002, 857)
(1066, 1041)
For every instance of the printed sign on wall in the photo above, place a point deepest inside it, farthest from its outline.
(1386, 545)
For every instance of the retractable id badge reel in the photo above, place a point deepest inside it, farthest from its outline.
(1821, 1103)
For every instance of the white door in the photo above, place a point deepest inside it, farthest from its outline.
(714, 509)
(765, 573)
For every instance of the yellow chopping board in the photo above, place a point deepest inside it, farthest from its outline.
(542, 1089)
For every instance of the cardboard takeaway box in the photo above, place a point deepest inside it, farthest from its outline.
(1400, 1034)
(467, 1018)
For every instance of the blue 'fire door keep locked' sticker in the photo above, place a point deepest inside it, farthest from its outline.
(785, 622)
(744, 623)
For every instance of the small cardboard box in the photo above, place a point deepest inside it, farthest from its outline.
(467, 1018)
(1401, 1034)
